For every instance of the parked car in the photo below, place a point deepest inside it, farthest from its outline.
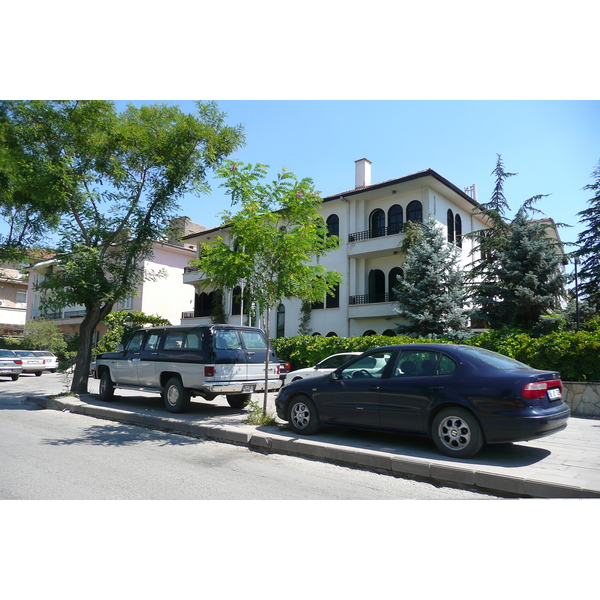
(31, 362)
(460, 396)
(50, 360)
(10, 364)
(284, 369)
(180, 362)
(327, 365)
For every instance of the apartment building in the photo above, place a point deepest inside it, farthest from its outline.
(370, 221)
(165, 296)
(13, 299)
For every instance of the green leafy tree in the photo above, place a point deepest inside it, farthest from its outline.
(588, 241)
(40, 334)
(119, 177)
(274, 241)
(525, 282)
(432, 295)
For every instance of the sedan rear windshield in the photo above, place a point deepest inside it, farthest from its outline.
(493, 359)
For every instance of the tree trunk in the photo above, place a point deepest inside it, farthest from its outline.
(93, 316)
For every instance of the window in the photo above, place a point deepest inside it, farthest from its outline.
(370, 366)
(395, 218)
(280, 321)
(415, 363)
(135, 343)
(395, 274)
(447, 366)
(21, 297)
(152, 342)
(450, 225)
(236, 301)
(414, 212)
(332, 300)
(333, 225)
(253, 340)
(376, 286)
(377, 223)
(458, 230)
(226, 340)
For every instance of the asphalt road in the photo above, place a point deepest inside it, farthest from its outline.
(51, 455)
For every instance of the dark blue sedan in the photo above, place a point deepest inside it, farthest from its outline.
(460, 396)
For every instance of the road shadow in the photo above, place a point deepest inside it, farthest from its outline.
(112, 434)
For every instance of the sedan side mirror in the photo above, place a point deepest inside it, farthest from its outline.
(334, 376)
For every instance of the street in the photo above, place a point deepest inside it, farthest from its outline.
(51, 455)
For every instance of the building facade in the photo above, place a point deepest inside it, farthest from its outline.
(370, 221)
(13, 300)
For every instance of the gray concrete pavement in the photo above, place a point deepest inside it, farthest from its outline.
(563, 465)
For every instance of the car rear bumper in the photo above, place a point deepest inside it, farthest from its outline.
(527, 427)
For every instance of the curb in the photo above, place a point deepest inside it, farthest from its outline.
(420, 469)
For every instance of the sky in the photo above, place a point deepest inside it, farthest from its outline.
(552, 146)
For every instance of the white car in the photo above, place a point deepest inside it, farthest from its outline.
(31, 362)
(50, 360)
(327, 365)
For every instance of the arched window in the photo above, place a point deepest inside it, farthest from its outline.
(395, 219)
(450, 224)
(333, 225)
(458, 230)
(376, 286)
(281, 321)
(331, 334)
(369, 332)
(236, 301)
(393, 277)
(377, 223)
(414, 211)
(389, 333)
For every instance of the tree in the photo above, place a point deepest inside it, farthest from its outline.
(589, 246)
(525, 282)
(273, 238)
(432, 294)
(118, 178)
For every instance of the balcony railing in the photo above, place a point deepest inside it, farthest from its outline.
(370, 234)
(192, 314)
(370, 298)
(190, 269)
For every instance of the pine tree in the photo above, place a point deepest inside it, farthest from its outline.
(589, 246)
(432, 296)
(525, 282)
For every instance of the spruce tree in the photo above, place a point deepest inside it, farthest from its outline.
(431, 296)
(589, 246)
(526, 281)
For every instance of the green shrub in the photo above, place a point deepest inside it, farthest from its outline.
(576, 355)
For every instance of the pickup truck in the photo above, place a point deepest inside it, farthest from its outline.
(181, 362)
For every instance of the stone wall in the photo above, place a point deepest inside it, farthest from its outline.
(582, 398)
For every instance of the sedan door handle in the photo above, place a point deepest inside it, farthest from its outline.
(435, 388)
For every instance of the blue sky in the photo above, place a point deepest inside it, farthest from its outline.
(551, 145)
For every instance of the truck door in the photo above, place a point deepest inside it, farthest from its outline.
(126, 367)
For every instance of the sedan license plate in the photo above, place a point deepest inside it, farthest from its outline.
(5, 371)
(554, 394)
(247, 389)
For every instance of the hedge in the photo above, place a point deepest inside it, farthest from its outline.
(576, 355)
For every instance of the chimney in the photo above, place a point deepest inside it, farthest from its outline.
(363, 173)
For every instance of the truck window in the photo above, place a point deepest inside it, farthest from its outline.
(174, 341)
(227, 340)
(152, 341)
(135, 343)
(253, 340)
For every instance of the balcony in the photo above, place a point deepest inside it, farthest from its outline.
(361, 236)
(375, 243)
(370, 298)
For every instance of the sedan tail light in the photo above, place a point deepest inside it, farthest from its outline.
(540, 388)
(18, 362)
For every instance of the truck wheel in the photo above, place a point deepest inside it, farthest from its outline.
(106, 389)
(176, 397)
(238, 400)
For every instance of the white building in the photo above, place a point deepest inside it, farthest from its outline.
(13, 299)
(165, 296)
(370, 222)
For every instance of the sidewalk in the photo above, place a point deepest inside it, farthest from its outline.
(563, 465)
